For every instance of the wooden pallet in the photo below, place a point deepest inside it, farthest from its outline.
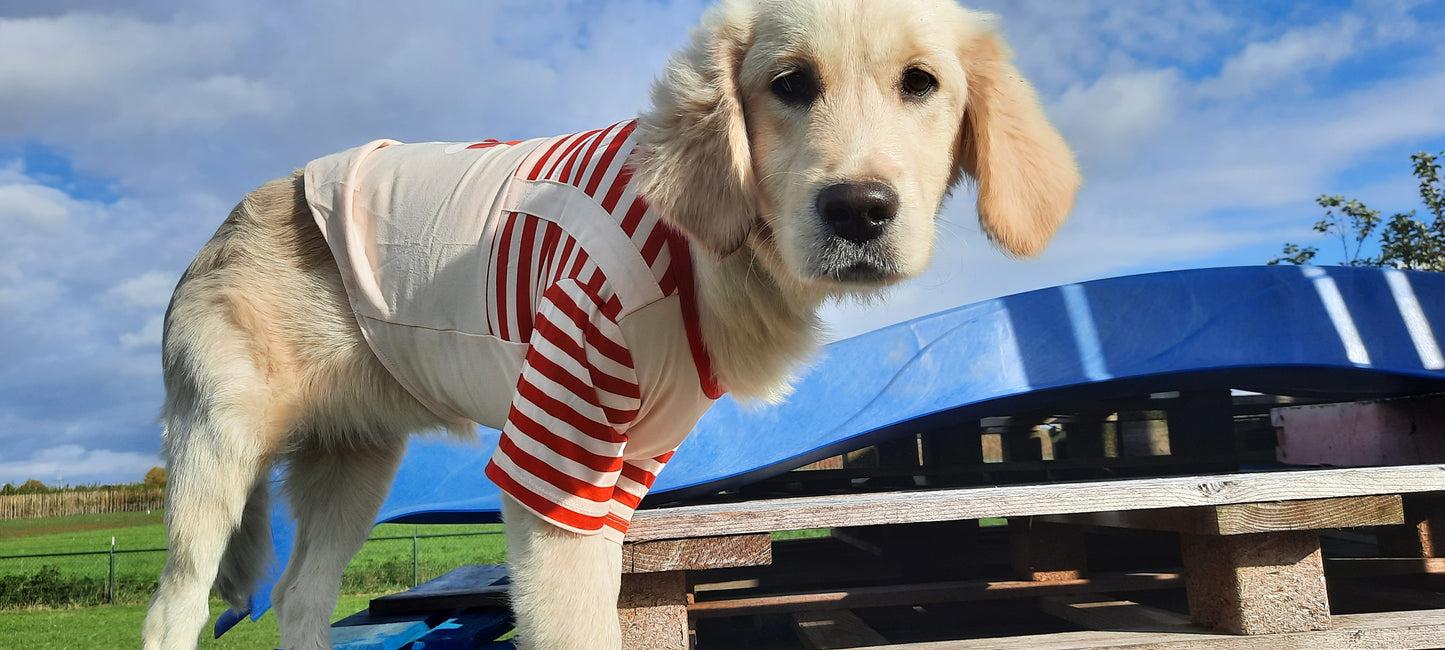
(1250, 547)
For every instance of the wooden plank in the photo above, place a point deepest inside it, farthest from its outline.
(1388, 432)
(473, 585)
(1102, 613)
(1244, 518)
(652, 609)
(1395, 630)
(934, 592)
(1364, 567)
(697, 553)
(1028, 500)
(1262, 583)
(1047, 552)
(834, 628)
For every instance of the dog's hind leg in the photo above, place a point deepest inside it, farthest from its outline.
(216, 448)
(248, 553)
(335, 492)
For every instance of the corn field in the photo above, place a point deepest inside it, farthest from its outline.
(89, 502)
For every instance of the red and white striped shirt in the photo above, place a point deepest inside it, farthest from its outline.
(527, 287)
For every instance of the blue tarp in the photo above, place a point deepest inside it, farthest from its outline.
(1285, 330)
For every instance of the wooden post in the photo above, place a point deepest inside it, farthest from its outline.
(652, 605)
(652, 609)
(1046, 552)
(1262, 583)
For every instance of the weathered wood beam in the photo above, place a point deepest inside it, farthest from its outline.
(1028, 500)
(1244, 518)
(933, 592)
(697, 553)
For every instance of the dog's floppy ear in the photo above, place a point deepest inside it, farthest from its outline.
(1026, 174)
(693, 161)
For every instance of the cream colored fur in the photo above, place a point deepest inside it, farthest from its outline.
(265, 366)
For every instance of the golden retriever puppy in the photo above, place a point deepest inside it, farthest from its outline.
(797, 150)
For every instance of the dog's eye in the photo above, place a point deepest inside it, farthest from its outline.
(796, 87)
(918, 83)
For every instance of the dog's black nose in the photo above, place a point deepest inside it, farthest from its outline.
(857, 212)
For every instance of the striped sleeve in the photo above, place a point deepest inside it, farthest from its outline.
(561, 451)
(636, 479)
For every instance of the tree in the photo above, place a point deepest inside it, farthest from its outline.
(32, 486)
(1404, 241)
(156, 478)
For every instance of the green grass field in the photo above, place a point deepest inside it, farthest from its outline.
(383, 565)
(107, 627)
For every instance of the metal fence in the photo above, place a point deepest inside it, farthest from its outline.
(111, 581)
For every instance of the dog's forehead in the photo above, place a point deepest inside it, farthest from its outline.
(862, 33)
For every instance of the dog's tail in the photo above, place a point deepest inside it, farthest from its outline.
(248, 552)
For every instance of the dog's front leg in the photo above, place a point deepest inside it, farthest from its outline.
(564, 585)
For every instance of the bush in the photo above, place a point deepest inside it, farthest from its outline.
(156, 478)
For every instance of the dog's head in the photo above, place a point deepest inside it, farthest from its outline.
(824, 134)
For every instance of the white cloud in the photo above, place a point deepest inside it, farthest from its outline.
(76, 465)
(147, 336)
(150, 290)
(1108, 118)
(1283, 63)
(95, 73)
(36, 204)
(1060, 44)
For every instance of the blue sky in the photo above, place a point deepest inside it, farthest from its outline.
(128, 130)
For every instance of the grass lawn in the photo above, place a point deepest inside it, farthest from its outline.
(119, 626)
(79, 523)
(381, 566)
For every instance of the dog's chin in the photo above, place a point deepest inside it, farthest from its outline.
(864, 275)
(853, 267)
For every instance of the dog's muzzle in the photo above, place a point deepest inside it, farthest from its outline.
(855, 217)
